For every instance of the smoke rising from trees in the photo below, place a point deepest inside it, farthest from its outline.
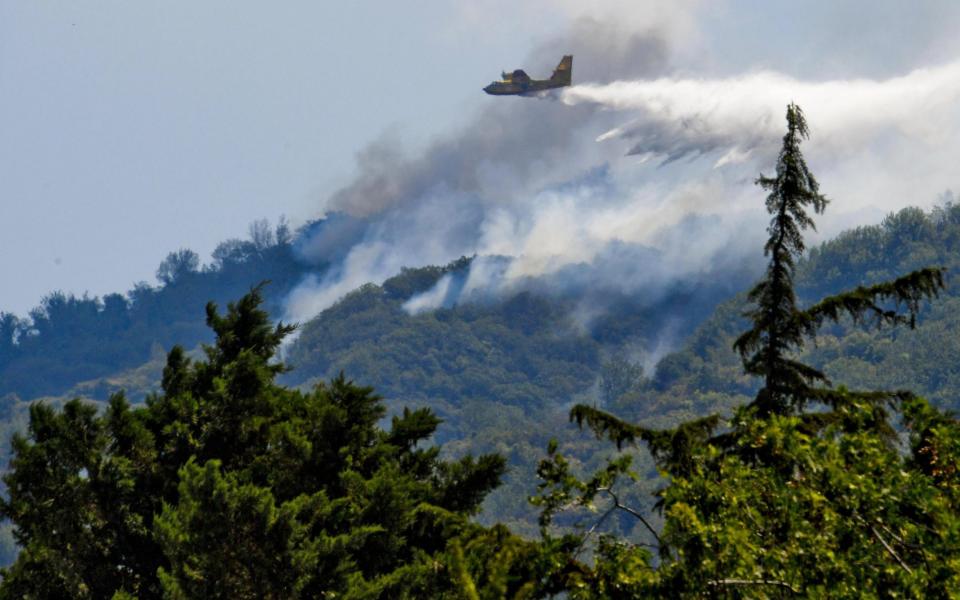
(657, 162)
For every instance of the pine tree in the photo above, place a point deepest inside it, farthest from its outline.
(804, 491)
(780, 328)
(227, 485)
(776, 331)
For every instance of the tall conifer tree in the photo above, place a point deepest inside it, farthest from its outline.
(780, 328)
(804, 491)
(775, 330)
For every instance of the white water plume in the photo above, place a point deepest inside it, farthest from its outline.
(678, 117)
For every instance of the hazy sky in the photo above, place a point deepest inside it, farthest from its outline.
(129, 129)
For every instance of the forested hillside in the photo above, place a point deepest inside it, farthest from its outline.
(491, 368)
(70, 339)
(502, 374)
(707, 372)
(804, 489)
(501, 371)
(731, 475)
(525, 349)
(319, 500)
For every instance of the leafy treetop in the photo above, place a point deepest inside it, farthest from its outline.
(228, 485)
(805, 491)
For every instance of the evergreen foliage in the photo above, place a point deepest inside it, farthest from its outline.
(177, 265)
(806, 490)
(500, 372)
(69, 339)
(227, 485)
(776, 330)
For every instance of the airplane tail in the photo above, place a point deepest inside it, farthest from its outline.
(564, 72)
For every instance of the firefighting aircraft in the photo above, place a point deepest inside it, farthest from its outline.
(519, 83)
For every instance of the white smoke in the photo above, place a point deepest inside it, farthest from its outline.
(659, 163)
(431, 299)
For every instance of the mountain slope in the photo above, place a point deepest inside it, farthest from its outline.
(706, 373)
(502, 370)
(68, 339)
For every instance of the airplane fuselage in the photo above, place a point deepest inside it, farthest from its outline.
(512, 88)
(518, 83)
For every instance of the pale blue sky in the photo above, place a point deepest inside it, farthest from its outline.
(129, 129)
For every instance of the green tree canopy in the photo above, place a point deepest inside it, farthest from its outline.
(227, 485)
(177, 265)
(806, 491)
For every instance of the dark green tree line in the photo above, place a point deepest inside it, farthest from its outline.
(68, 339)
(226, 485)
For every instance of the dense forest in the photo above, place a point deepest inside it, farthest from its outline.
(501, 374)
(785, 450)
(707, 370)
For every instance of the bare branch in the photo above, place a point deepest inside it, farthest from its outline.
(890, 550)
(627, 509)
(884, 543)
(593, 528)
(737, 582)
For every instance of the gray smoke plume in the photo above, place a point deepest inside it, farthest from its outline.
(639, 178)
